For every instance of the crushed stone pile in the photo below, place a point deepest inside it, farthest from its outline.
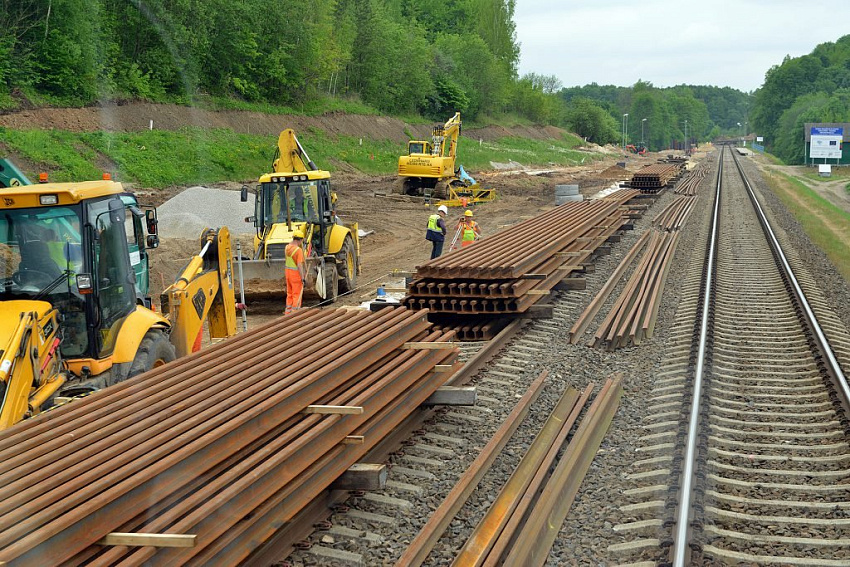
(197, 208)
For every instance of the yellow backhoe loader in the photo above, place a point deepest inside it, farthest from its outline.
(430, 169)
(298, 196)
(75, 316)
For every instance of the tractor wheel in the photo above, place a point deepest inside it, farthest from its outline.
(154, 351)
(347, 265)
(441, 190)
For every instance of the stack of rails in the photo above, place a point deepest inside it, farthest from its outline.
(226, 445)
(689, 184)
(476, 290)
(655, 177)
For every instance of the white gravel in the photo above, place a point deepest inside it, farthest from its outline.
(197, 208)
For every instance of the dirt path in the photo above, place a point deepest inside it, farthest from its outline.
(832, 189)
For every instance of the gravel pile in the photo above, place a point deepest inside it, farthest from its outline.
(197, 208)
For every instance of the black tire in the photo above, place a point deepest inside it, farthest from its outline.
(346, 263)
(154, 350)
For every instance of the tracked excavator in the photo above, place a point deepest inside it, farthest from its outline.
(430, 169)
(297, 196)
(75, 314)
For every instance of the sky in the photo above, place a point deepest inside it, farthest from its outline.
(671, 42)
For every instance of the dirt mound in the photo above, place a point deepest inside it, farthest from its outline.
(138, 116)
(615, 172)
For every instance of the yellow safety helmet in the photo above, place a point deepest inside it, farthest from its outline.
(298, 234)
(468, 213)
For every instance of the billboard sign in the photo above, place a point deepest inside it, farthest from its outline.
(826, 142)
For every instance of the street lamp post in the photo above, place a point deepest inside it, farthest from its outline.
(625, 127)
(687, 141)
(740, 126)
(642, 122)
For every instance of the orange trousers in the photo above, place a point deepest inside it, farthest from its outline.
(294, 290)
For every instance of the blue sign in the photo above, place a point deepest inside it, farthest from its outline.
(827, 131)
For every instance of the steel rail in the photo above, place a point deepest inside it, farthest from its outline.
(680, 536)
(539, 456)
(419, 549)
(533, 543)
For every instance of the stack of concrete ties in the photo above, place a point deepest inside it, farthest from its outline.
(507, 273)
(217, 450)
(653, 178)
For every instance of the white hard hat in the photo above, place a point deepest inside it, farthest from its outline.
(443, 209)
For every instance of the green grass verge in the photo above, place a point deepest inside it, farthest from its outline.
(819, 219)
(160, 158)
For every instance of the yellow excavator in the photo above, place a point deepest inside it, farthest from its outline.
(429, 169)
(297, 196)
(75, 315)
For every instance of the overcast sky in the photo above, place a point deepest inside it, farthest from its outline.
(671, 42)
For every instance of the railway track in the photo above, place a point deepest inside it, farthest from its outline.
(745, 457)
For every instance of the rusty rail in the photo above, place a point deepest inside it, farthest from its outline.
(216, 444)
(419, 549)
(653, 178)
(543, 521)
(689, 185)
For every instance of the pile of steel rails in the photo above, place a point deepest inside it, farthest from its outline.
(478, 289)
(214, 453)
(655, 177)
(523, 521)
(689, 184)
(633, 316)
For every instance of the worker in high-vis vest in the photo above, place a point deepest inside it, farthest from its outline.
(436, 232)
(469, 229)
(295, 272)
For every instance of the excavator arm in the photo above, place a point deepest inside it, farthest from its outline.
(30, 368)
(203, 291)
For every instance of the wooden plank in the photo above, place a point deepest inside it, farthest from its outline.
(570, 254)
(440, 368)
(362, 476)
(354, 440)
(538, 292)
(424, 345)
(533, 277)
(333, 410)
(403, 274)
(148, 540)
(452, 396)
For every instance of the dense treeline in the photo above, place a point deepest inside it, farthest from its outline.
(665, 117)
(399, 56)
(811, 88)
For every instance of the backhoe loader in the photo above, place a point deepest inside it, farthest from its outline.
(297, 196)
(430, 169)
(75, 315)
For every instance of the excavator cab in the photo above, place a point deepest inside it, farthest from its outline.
(298, 196)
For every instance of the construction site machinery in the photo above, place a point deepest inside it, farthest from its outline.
(297, 196)
(75, 315)
(640, 149)
(430, 169)
(11, 176)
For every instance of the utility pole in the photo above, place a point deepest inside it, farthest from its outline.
(642, 122)
(625, 121)
(687, 141)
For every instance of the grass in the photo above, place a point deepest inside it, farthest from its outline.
(826, 225)
(162, 158)
(812, 174)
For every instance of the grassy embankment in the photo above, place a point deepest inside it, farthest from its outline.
(826, 225)
(159, 158)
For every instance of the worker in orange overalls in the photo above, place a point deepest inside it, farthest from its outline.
(469, 229)
(296, 273)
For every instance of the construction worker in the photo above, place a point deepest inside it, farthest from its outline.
(296, 273)
(436, 232)
(470, 231)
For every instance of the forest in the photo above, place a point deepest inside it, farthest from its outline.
(811, 88)
(428, 58)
